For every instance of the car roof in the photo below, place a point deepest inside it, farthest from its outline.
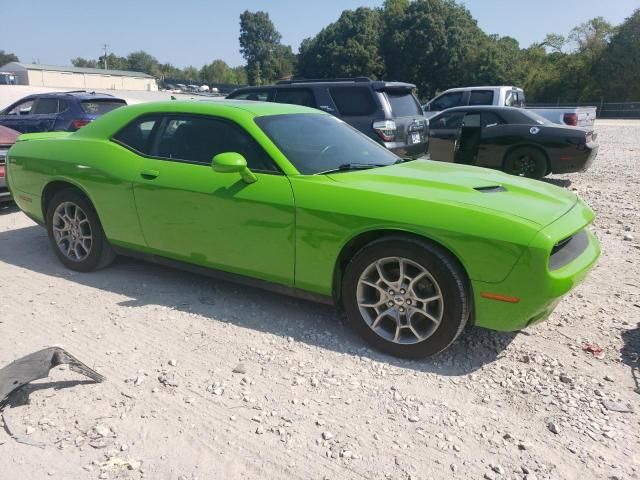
(377, 84)
(485, 87)
(78, 94)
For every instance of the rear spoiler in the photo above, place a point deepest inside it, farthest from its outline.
(393, 87)
(25, 137)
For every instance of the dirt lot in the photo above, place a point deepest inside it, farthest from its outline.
(310, 401)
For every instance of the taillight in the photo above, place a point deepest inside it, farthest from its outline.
(79, 122)
(386, 129)
(2, 173)
(570, 119)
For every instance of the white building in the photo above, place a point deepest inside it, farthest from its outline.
(76, 77)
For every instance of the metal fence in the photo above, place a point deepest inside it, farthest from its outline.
(603, 109)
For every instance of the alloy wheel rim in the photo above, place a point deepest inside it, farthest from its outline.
(400, 300)
(525, 166)
(72, 231)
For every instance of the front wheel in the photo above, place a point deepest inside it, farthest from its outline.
(526, 162)
(75, 232)
(406, 297)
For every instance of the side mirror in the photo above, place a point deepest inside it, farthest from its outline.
(233, 162)
(25, 111)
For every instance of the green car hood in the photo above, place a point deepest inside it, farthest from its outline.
(532, 200)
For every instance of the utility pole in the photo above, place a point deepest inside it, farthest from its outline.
(104, 47)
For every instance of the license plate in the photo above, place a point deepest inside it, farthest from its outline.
(415, 138)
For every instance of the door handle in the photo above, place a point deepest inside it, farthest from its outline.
(149, 174)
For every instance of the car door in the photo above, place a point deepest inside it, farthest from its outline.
(44, 114)
(468, 139)
(493, 141)
(443, 132)
(191, 213)
(17, 116)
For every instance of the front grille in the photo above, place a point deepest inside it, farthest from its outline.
(567, 250)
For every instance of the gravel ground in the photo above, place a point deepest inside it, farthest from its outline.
(208, 380)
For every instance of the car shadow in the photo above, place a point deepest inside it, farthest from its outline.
(630, 353)
(219, 301)
(558, 182)
(8, 207)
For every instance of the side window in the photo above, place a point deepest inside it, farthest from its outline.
(138, 134)
(23, 108)
(353, 101)
(490, 119)
(448, 100)
(45, 106)
(481, 97)
(448, 121)
(296, 96)
(257, 95)
(471, 120)
(63, 106)
(199, 139)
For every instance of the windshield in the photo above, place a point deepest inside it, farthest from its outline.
(100, 107)
(316, 143)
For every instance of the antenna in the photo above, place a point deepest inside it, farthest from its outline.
(104, 47)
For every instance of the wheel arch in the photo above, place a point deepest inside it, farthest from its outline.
(362, 239)
(58, 185)
(535, 146)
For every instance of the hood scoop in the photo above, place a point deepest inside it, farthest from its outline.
(490, 189)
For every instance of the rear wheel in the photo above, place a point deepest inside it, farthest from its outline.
(526, 162)
(406, 297)
(75, 232)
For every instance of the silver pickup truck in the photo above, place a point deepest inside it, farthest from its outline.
(508, 96)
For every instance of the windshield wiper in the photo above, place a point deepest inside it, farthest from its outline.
(345, 167)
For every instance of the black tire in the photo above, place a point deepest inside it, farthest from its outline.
(99, 254)
(526, 162)
(448, 274)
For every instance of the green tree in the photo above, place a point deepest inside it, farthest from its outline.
(347, 47)
(6, 57)
(141, 61)
(218, 72)
(620, 67)
(267, 59)
(83, 62)
(114, 62)
(431, 43)
(191, 74)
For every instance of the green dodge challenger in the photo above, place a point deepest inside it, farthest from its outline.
(295, 200)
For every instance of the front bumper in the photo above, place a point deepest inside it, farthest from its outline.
(537, 288)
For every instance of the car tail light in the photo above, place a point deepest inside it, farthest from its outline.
(2, 173)
(79, 122)
(386, 130)
(570, 119)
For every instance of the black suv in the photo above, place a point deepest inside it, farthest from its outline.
(385, 111)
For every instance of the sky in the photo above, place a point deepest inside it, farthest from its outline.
(195, 32)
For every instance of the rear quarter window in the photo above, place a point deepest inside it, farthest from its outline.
(353, 101)
(404, 104)
(296, 96)
(481, 97)
(138, 134)
(100, 107)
